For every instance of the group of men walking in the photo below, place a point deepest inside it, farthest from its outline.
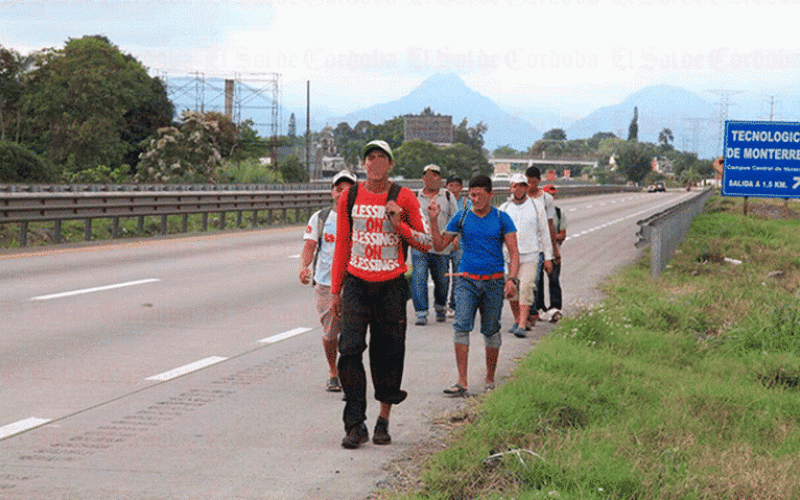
(496, 254)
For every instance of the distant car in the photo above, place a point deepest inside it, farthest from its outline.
(659, 187)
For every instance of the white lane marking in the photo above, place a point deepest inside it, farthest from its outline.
(183, 370)
(294, 256)
(95, 289)
(615, 221)
(285, 335)
(21, 426)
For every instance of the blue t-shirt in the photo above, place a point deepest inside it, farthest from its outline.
(482, 239)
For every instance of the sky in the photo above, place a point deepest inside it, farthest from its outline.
(571, 56)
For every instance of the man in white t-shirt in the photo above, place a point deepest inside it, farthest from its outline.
(535, 248)
(320, 241)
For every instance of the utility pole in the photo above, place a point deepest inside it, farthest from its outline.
(308, 127)
(771, 107)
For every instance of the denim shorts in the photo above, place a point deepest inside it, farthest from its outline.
(473, 296)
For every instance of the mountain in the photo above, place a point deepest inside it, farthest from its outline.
(449, 95)
(693, 121)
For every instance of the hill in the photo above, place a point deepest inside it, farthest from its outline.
(691, 119)
(449, 95)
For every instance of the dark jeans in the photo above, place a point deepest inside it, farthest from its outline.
(553, 282)
(436, 265)
(381, 306)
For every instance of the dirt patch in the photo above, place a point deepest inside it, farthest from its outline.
(771, 211)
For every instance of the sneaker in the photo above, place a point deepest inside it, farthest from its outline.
(518, 332)
(356, 436)
(381, 434)
(556, 316)
(421, 321)
(440, 316)
(334, 385)
(451, 313)
(513, 328)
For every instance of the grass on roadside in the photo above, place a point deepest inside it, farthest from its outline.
(686, 387)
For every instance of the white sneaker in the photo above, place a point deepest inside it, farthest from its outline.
(555, 315)
(544, 315)
(451, 313)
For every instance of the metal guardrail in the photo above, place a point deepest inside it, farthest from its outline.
(23, 204)
(666, 230)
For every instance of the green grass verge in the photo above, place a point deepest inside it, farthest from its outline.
(685, 387)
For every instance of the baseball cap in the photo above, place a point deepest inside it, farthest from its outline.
(343, 175)
(433, 167)
(549, 189)
(518, 179)
(377, 144)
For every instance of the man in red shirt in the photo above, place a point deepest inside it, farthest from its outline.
(369, 289)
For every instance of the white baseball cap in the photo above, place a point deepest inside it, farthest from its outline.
(377, 144)
(343, 175)
(433, 167)
(518, 179)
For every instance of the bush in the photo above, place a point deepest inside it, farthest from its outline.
(19, 164)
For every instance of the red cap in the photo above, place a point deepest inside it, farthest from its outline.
(549, 189)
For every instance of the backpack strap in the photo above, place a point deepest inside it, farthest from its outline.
(352, 192)
(394, 192)
(322, 217)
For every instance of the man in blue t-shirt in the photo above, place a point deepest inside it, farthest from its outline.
(481, 283)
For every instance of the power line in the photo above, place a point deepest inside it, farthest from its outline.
(724, 103)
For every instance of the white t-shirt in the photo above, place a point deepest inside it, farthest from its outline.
(533, 234)
(322, 271)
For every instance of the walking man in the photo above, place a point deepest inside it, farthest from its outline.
(535, 249)
(534, 176)
(433, 262)
(554, 313)
(320, 239)
(481, 284)
(376, 220)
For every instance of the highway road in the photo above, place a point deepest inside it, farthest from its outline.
(193, 367)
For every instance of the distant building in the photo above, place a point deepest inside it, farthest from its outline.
(437, 129)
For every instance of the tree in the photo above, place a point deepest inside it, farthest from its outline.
(82, 102)
(189, 153)
(596, 139)
(154, 111)
(556, 134)
(464, 161)
(635, 159)
(471, 136)
(633, 128)
(412, 156)
(10, 89)
(19, 164)
(665, 137)
(292, 169)
(505, 151)
(292, 132)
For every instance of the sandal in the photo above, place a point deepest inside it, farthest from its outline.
(333, 385)
(456, 390)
